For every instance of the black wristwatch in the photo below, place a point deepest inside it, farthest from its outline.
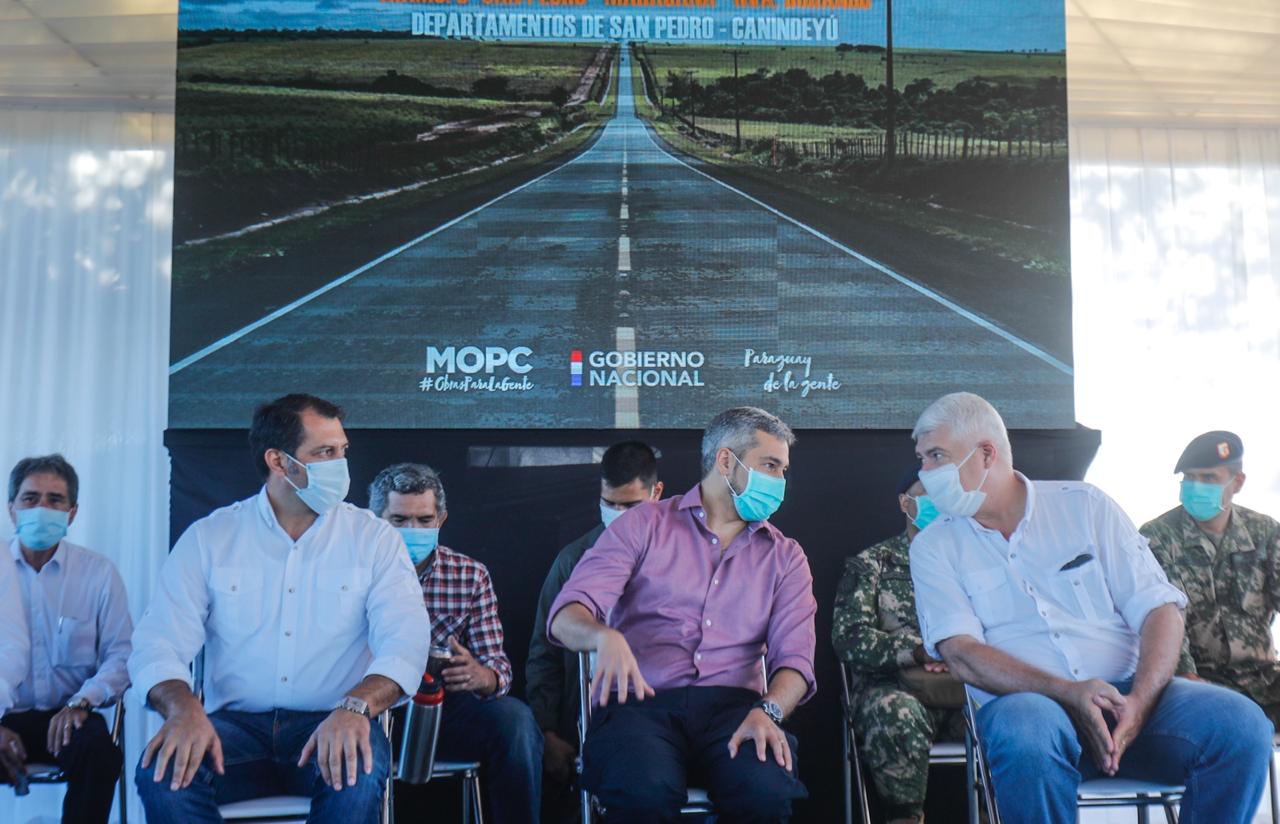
(770, 709)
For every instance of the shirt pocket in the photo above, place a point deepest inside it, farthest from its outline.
(1082, 590)
(343, 593)
(990, 595)
(77, 638)
(1248, 581)
(237, 600)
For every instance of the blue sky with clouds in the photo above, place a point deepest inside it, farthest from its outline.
(989, 25)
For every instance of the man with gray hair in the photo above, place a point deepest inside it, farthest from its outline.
(74, 606)
(1045, 599)
(679, 600)
(480, 722)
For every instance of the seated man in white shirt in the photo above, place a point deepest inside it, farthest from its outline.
(75, 607)
(311, 620)
(1044, 597)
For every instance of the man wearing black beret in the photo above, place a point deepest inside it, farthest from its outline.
(1226, 558)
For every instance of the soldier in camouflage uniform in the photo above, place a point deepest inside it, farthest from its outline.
(876, 633)
(1227, 560)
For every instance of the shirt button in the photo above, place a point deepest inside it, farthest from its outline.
(701, 514)
(1042, 612)
(715, 581)
(1075, 583)
(233, 587)
(1057, 635)
(1014, 555)
(715, 540)
(288, 633)
(697, 656)
(1076, 671)
(284, 678)
(708, 622)
(291, 590)
(344, 587)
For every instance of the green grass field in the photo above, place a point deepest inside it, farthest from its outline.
(944, 68)
(317, 112)
(532, 68)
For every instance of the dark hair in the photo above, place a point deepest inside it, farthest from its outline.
(278, 425)
(54, 463)
(405, 479)
(735, 429)
(629, 461)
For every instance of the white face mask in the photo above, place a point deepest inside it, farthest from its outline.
(608, 514)
(948, 494)
(327, 483)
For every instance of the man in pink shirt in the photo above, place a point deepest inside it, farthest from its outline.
(679, 600)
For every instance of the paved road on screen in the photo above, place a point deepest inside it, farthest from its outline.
(627, 246)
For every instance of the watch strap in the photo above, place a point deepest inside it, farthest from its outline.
(770, 709)
(352, 704)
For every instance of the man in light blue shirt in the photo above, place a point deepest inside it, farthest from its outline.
(1044, 597)
(76, 611)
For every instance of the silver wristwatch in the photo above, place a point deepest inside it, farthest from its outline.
(79, 704)
(770, 709)
(352, 704)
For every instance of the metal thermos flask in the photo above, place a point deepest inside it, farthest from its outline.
(421, 728)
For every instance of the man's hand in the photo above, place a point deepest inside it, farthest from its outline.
(1085, 701)
(927, 661)
(466, 674)
(338, 740)
(186, 736)
(557, 758)
(616, 664)
(760, 728)
(62, 725)
(13, 756)
(1129, 722)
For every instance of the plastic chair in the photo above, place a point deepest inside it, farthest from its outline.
(697, 801)
(38, 773)
(948, 753)
(1096, 792)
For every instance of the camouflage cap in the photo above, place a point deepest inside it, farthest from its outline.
(1211, 449)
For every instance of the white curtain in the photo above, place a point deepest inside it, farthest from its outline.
(85, 206)
(1176, 279)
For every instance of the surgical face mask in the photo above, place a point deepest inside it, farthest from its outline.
(327, 483)
(761, 497)
(947, 493)
(925, 511)
(608, 514)
(1202, 501)
(40, 528)
(421, 542)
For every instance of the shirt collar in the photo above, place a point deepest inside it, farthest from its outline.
(269, 515)
(59, 555)
(693, 500)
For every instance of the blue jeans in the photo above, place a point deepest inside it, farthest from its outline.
(1215, 741)
(503, 736)
(260, 754)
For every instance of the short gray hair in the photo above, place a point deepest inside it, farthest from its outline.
(405, 479)
(54, 464)
(735, 429)
(970, 418)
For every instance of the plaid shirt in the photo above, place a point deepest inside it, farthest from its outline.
(461, 602)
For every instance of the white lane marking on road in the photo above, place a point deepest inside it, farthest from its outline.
(626, 403)
(624, 190)
(333, 284)
(624, 214)
(624, 254)
(1026, 346)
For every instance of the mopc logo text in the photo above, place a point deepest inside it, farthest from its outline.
(470, 360)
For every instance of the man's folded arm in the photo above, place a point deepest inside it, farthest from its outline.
(171, 630)
(399, 628)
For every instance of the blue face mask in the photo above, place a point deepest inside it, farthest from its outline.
(327, 484)
(1202, 501)
(608, 514)
(925, 511)
(420, 542)
(40, 528)
(761, 497)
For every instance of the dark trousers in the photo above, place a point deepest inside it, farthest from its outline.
(503, 736)
(640, 757)
(91, 762)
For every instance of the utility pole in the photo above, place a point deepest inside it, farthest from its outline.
(737, 104)
(891, 105)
